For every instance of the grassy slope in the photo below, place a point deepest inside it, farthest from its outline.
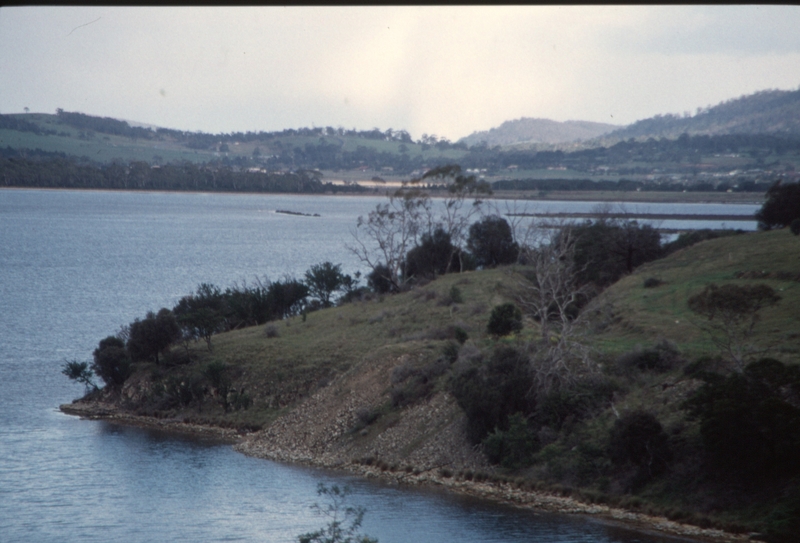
(277, 371)
(347, 343)
(107, 147)
(643, 315)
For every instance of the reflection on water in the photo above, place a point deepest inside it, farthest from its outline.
(77, 265)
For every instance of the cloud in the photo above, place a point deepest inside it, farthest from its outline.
(440, 70)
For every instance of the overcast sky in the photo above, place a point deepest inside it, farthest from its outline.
(447, 71)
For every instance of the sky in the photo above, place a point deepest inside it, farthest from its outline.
(444, 71)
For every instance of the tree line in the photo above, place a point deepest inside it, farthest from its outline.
(208, 311)
(60, 172)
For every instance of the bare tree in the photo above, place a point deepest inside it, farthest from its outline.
(386, 234)
(393, 228)
(454, 217)
(548, 290)
(516, 215)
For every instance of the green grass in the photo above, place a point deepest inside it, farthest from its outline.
(306, 354)
(645, 315)
(346, 341)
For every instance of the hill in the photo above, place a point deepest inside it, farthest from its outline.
(533, 131)
(766, 112)
(744, 144)
(384, 385)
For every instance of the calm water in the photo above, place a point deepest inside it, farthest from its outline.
(74, 267)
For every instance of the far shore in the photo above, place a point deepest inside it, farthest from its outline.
(505, 493)
(665, 197)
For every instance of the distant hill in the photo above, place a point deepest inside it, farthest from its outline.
(527, 130)
(765, 112)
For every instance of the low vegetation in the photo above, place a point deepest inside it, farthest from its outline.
(664, 381)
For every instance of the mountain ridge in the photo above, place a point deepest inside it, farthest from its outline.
(769, 111)
(538, 130)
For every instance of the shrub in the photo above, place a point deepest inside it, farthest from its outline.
(111, 362)
(490, 392)
(240, 400)
(568, 405)
(460, 335)
(366, 416)
(660, 358)
(512, 448)
(323, 280)
(505, 319)
(782, 206)
(411, 385)
(450, 351)
(216, 374)
(271, 331)
(606, 250)
(379, 279)
(435, 255)
(750, 421)
(345, 520)
(153, 335)
(638, 438)
(491, 243)
(652, 282)
(795, 227)
(80, 372)
(182, 391)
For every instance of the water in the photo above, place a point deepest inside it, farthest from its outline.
(74, 267)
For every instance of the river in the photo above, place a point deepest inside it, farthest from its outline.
(75, 266)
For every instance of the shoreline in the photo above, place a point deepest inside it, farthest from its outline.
(499, 492)
(653, 197)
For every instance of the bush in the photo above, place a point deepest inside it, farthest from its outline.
(182, 391)
(781, 208)
(80, 372)
(216, 374)
(750, 421)
(324, 279)
(379, 280)
(240, 400)
(661, 357)
(435, 255)
(638, 438)
(153, 335)
(450, 351)
(491, 243)
(652, 282)
(111, 362)
(566, 406)
(795, 227)
(513, 448)
(505, 319)
(606, 250)
(345, 520)
(490, 392)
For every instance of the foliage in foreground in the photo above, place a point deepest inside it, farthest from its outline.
(345, 520)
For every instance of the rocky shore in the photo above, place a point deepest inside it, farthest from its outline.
(278, 443)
